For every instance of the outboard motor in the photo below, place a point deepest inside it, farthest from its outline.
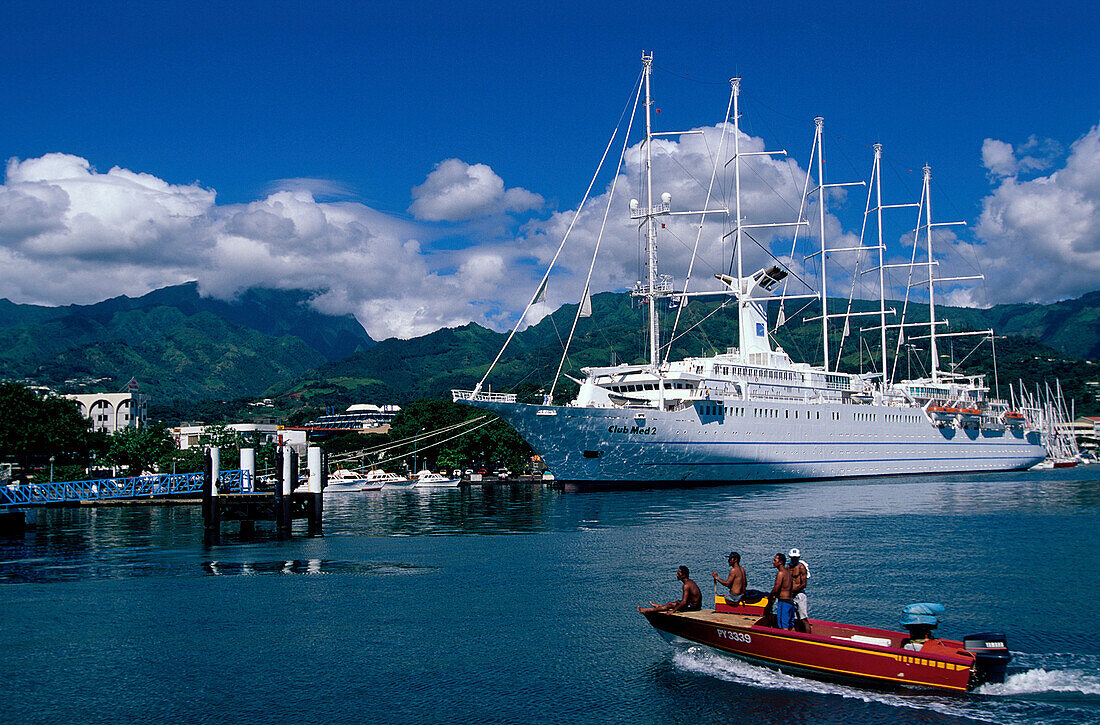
(991, 656)
(920, 620)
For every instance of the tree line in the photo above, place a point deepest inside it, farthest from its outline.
(40, 433)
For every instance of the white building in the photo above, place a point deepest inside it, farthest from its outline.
(1087, 431)
(113, 411)
(363, 417)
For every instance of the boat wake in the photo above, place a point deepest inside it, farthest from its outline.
(1055, 675)
(1035, 695)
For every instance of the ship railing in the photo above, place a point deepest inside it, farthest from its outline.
(164, 484)
(457, 395)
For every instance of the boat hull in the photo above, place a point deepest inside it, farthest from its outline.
(346, 486)
(822, 656)
(441, 483)
(748, 441)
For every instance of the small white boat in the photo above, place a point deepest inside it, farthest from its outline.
(345, 481)
(427, 479)
(378, 479)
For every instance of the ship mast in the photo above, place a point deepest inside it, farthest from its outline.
(819, 124)
(881, 247)
(876, 180)
(735, 84)
(819, 139)
(655, 286)
(931, 277)
(650, 223)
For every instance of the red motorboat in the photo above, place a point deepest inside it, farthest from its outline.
(843, 652)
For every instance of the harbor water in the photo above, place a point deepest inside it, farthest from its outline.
(517, 603)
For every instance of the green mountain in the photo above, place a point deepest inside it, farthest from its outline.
(176, 343)
(1039, 347)
(1072, 326)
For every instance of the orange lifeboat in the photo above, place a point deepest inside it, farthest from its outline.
(970, 417)
(942, 413)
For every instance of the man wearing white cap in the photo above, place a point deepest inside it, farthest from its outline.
(800, 575)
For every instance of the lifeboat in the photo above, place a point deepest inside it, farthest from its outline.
(942, 413)
(846, 653)
(970, 417)
(992, 422)
(1012, 419)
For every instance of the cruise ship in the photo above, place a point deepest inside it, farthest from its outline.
(752, 413)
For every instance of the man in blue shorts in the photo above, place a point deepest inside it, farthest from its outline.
(781, 593)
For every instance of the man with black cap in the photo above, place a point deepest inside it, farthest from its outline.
(799, 577)
(736, 581)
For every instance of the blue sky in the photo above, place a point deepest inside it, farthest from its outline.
(242, 100)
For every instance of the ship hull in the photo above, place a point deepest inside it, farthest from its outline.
(748, 441)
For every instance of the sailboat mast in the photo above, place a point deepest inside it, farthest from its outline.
(650, 223)
(931, 276)
(881, 246)
(819, 122)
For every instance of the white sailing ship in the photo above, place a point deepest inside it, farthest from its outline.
(752, 413)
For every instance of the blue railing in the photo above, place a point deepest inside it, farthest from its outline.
(164, 484)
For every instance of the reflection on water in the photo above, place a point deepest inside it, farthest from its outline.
(496, 509)
(89, 542)
(309, 566)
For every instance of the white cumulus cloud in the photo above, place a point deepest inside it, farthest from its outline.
(457, 191)
(1039, 239)
(71, 234)
(1000, 158)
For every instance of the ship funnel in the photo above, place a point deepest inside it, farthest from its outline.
(752, 294)
(770, 277)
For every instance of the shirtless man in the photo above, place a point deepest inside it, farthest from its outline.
(781, 593)
(690, 601)
(799, 575)
(736, 581)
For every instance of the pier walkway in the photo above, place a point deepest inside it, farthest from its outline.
(134, 487)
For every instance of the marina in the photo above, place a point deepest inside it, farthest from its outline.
(501, 647)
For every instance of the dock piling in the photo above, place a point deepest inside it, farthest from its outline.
(248, 505)
(290, 481)
(280, 476)
(211, 511)
(248, 470)
(314, 502)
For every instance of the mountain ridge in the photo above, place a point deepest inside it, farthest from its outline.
(175, 341)
(182, 346)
